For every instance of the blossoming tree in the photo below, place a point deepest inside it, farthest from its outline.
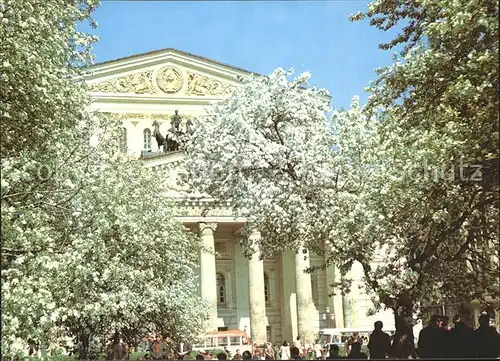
(350, 188)
(89, 244)
(442, 97)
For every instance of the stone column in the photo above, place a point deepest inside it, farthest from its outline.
(353, 301)
(304, 296)
(208, 273)
(338, 308)
(257, 303)
(335, 302)
(288, 296)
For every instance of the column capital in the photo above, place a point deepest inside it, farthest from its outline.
(302, 253)
(253, 243)
(206, 226)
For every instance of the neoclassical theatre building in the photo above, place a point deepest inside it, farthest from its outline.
(272, 299)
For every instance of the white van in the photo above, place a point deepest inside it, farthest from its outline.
(231, 341)
(339, 336)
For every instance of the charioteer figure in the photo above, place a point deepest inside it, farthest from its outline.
(175, 123)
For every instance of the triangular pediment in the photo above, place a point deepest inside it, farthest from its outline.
(164, 73)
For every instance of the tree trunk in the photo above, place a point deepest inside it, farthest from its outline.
(83, 346)
(403, 344)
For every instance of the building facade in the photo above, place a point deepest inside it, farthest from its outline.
(272, 299)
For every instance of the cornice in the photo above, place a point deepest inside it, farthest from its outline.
(159, 56)
(163, 160)
(218, 219)
(152, 99)
(195, 202)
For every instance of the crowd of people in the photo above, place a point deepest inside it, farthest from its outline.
(436, 340)
(440, 340)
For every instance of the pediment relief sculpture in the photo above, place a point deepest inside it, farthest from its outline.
(202, 85)
(138, 83)
(164, 80)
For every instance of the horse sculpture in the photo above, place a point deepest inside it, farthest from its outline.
(170, 142)
(160, 139)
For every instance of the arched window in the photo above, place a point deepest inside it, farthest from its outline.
(124, 140)
(147, 139)
(221, 288)
(267, 296)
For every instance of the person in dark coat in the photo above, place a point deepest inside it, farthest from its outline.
(460, 339)
(447, 342)
(295, 353)
(486, 340)
(430, 339)
(402, 345)
(380, 342)
(334, 352)
(356, 352)
(237, 355)
(222, 356)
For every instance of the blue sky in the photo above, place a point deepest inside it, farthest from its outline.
(259, 36)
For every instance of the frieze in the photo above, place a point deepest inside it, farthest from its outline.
(165, 80)
(138, 83)
(202, 85)
(141, 116)
(197, 211)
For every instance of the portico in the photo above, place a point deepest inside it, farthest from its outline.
(247, 294)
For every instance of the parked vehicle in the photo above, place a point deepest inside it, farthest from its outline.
(339, 336)
(230, 340)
